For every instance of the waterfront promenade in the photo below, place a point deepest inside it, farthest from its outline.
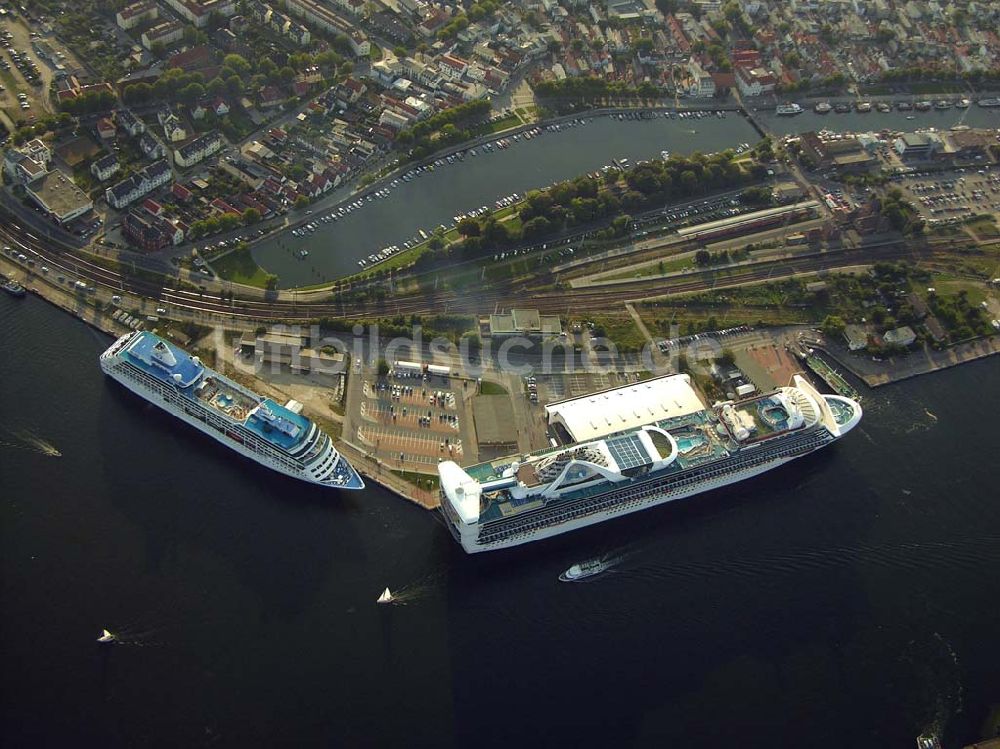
(916, 363)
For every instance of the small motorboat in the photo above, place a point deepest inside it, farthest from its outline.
(386, 597)
(587, 569)
(107, 638)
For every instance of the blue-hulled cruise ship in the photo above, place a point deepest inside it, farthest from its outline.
(630, 448)
(274, 435)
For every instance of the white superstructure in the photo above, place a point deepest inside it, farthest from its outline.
(623, 469)
(258, 428)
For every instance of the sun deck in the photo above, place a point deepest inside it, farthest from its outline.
(164, 361)
(278, 425)
(220, 395)
(697, 441)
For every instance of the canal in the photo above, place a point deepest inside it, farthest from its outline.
(434, 198)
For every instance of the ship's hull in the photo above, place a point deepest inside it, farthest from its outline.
(469, 539)
(232, 444)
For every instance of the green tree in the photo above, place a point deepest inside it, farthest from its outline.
(251, 216)
(301, 202)
(833, 326)
(237, 63)
(191, 93)
(216, 87)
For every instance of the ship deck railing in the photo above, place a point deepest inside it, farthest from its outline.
(566, 507)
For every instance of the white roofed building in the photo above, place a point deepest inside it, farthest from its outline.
(627, 407)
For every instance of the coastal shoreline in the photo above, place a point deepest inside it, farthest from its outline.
(917, 363)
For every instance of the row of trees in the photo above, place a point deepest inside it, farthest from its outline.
(658, 182)
(236, 76)
(460, 22)
(588, 89)
(41, 127)
(174, 86)
(584, 201)
(88, 103)
(450, 116)
(213, 225)
(940, 72)
(441, 130)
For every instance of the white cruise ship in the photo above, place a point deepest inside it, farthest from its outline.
(273, 435)
(630, 448)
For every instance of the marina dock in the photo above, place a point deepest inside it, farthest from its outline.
(831, 377)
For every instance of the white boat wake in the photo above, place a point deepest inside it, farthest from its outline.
(25, 439)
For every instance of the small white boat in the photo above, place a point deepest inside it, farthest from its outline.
(386, 597)
(587, 569)
(107, 638)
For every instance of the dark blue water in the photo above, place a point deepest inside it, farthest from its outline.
(849, 599)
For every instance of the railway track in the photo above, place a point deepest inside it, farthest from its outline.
(72, 264)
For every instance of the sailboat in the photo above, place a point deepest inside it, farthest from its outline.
(107, 638)
(386, 597)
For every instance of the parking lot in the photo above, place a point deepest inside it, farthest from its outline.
(955, 194)
(23, 76)
(547, 388)
(410, 419)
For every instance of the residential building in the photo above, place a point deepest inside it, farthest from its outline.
(151, 147)
(137, 13)
(27, 163)
(105, 128)
(149, 231)
(165, 33)
(754, 81)
(856, 337)
(105, 167)
(139, 184)
(198, 149)
(128, 122)
(198, 12)
(903, 336)
(702, 84)
(323, 17)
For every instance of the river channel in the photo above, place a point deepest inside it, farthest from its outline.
(434, 198)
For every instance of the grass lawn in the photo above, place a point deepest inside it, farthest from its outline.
(240, 267)
(983, 228)
(491, 388)
(420, 480)
(511, 120)
(621, 330)
(667, 265)
(659, 319)
(947, 286)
